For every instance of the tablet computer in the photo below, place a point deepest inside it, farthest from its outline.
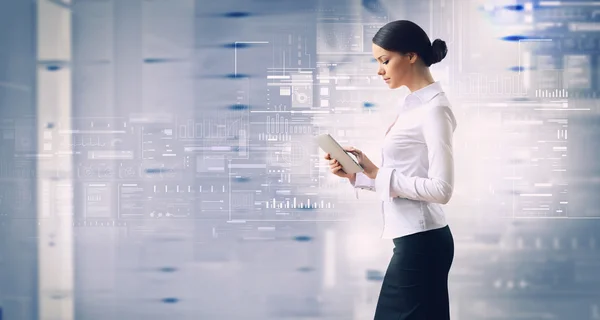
(329, 145)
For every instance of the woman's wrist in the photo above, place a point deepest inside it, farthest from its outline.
(352, 178)
(373, 173)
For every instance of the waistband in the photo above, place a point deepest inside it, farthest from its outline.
(423, 236)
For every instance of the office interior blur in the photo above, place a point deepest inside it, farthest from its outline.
(158, 161)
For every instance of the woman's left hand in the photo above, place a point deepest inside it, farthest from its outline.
(370, 168)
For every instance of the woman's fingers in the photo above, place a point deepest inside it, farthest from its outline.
(353, 150)
(334, 165)
(336, 169)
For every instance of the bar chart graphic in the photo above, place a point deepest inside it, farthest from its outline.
(294, 203)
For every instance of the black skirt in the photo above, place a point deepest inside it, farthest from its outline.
(415, 286)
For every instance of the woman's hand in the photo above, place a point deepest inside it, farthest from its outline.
(336, 168)
(370, 168)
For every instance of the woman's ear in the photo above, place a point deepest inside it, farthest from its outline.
(412, 57)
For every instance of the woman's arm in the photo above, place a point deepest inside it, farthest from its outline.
(438, 128)
(361, 181)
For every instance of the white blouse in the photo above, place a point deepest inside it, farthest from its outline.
(416, 175)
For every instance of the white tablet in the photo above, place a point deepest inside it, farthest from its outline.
(329, 145)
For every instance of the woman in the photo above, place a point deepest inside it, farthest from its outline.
(415, 179)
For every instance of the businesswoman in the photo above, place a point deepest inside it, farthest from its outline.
(415, 178)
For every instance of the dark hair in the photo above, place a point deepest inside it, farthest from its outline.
(406, 36)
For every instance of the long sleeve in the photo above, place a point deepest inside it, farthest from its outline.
(438, 127)
(363, 182)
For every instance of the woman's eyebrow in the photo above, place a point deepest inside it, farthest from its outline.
(380, 56)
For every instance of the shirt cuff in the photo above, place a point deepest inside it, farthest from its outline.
(363, 182)
(383, 182)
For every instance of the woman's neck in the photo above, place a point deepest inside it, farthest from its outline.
(420, 80)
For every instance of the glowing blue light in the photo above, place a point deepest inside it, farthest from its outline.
(302, 238)
(305, 269)
(236, 76)
(236, 45)
(515, 38)
(170, 300)
(238, 106)
(156, 60)
(236, 14)
(241, 179)
(374, 275)
(157, 170)
(516, 7)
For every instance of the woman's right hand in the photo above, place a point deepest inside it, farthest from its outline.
(336, 168)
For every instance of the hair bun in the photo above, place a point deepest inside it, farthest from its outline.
(438, 50)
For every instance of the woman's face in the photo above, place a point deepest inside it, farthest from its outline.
(395, 68)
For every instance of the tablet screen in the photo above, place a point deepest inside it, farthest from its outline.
(347, 159)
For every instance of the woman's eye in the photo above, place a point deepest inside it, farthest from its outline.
(386, 62)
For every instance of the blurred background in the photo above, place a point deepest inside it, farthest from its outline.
(157, 157)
